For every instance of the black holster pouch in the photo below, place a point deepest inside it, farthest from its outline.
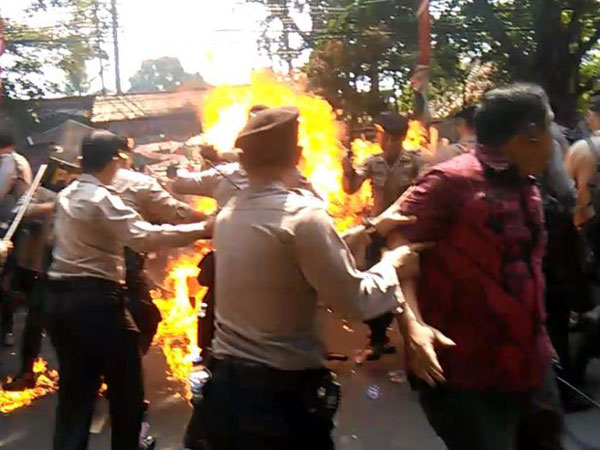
(323, 400)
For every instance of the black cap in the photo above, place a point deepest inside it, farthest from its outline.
(100, 147)
(595, 104)
(6, 137)
(392, 123)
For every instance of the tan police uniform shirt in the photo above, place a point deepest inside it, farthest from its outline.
(15, 179)
(225, 182)
(15, 175)
(36, 233)
(93, 225)
(143, 194)
(388, 182)
(279, 255)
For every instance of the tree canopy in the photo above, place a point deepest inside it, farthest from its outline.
(162, 74)
(60, 49)
(363, 51)
(551, 42)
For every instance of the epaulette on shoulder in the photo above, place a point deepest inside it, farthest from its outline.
(305, 197)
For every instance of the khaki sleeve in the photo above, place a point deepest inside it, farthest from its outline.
(133, 231)
(199, 183)
(162, 207)
(329, 268)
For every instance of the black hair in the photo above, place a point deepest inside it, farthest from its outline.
(468, 115)
(503, 112)
(6, 137)
(92, 159)
(95, 164)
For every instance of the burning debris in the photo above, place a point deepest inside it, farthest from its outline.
(47, 382)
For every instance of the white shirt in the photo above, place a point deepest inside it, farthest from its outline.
(93, 225)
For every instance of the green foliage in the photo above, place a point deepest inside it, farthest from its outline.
(60, 49)
(550, 42)
(163, 74)
(359, 45)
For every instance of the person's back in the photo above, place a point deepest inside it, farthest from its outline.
(278, 257)
(92, 248)
(255, 241)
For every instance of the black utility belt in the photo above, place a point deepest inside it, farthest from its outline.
(253, 374)
(84, 283)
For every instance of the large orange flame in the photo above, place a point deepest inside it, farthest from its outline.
(47, 382)
(224, 114)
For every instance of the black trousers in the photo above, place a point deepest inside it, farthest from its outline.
(491, 420)
(241, 412)
(139, 301)
(7, 300)
(32, 284)
(144, 312)
(94, 337)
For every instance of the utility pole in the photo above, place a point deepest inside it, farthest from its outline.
(115, 27)
(420, 77)
(99, 50)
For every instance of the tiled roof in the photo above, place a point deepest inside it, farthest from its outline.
(113, 108)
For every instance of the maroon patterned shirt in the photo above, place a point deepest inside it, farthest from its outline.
(482, 284)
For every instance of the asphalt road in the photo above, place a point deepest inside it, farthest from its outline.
(391, 421)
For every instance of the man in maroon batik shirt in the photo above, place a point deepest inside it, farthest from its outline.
(481, 284)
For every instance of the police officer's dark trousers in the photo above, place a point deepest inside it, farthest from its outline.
(32, 284)
(140, 304)
(94, 337)
(249, 406)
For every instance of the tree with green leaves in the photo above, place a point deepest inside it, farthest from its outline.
(475, 45)
(551, 42)
(60, 50)
(162, 74)
(364, 55)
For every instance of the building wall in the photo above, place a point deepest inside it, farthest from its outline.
(179, 127)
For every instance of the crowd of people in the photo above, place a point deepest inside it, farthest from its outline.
(483, 255)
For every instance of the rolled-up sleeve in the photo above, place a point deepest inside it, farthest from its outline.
(141, 236)
(329, 268)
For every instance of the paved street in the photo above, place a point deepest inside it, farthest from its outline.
(393, 421)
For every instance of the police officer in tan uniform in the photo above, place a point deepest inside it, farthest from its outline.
(144, 194)
(279, 256)
(89, 326)
(15, 178)
(390, 173)
(32, 259)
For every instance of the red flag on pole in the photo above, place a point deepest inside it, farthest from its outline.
(420, 77)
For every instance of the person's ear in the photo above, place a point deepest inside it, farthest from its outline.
(533, 132)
